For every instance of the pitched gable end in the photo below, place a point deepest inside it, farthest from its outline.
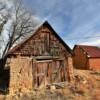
(43, 41)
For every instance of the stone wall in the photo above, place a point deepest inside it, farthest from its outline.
(21, 78)
(20, 74)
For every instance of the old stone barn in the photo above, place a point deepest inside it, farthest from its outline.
(41, 59)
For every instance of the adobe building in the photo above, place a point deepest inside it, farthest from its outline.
(42, 59)
(86, 57)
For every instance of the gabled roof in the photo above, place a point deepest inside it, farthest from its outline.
(49, 26)
(91, 51)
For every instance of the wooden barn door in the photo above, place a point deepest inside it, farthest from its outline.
(58, 71)
(41, 73)
(46, 72)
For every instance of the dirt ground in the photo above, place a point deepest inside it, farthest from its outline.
(85, 86)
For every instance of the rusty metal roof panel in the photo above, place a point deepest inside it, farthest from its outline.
(92, 51)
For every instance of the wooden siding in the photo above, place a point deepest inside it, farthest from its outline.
(43, 43)
(80, 60)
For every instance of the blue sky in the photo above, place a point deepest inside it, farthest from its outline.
(70, 18)
(76, 21)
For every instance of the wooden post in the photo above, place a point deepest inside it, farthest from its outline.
(70, 69)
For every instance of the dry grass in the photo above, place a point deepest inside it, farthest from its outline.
(85, 86)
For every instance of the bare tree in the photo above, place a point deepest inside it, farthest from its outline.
(3, 19)
(22, 26)
(2, 24)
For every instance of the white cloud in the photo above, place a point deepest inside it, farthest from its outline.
(84, 22)
(92, 42)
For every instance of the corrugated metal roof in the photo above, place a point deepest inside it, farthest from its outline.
(92, 51)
